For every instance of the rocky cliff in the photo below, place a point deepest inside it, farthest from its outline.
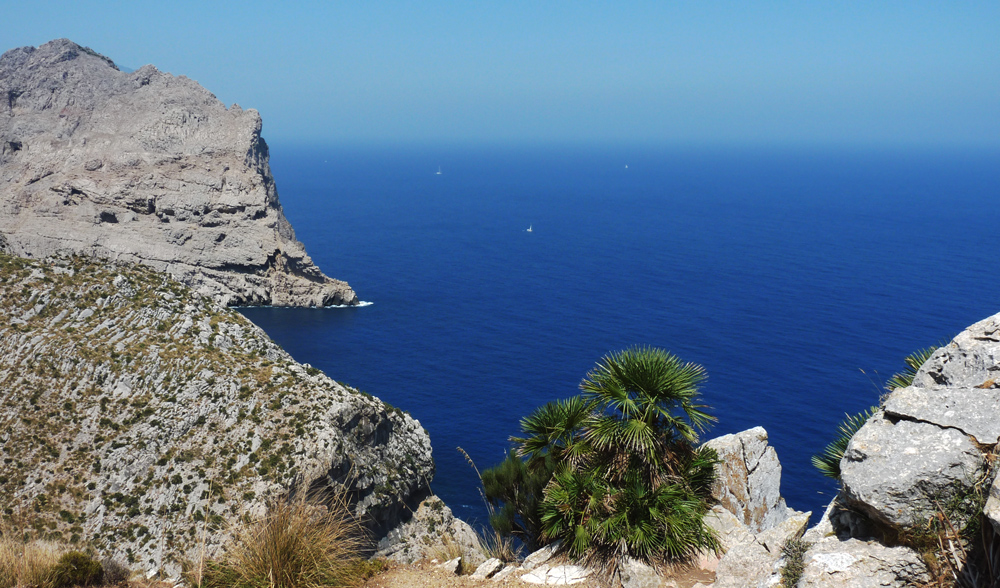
(134, 412)
(145, 167)
(919, 502)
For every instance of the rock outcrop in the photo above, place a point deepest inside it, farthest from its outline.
(931, 443)
(136, 415)
(748, 479)
(149, 168)
(842, 553)
(751, 520)
(923, 460)
(430, 532)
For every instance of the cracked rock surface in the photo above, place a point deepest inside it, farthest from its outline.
(898, 472)
(929, 444)
(748, 479)
(149, 168)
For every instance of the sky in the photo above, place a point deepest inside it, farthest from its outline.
(908, 73)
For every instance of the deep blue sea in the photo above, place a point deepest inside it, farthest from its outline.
(799, 279)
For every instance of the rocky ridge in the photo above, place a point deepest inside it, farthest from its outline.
(133, 412)
(149, 168)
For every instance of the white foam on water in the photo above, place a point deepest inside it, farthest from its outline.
(358, 305)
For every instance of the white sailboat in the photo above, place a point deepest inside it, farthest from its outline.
(528, 230)
(438, 171)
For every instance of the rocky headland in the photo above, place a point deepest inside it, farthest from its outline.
(149, 168)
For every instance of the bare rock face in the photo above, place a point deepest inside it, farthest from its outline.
(748, 479)
(751, 520)
(929, 445)
(141, 418)
(756, 560)
(431, 531)
(149, 168)
(842, 552)
(899, 472)
(832, 563)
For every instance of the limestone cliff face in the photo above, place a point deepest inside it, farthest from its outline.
(145, 167)
(136, 415)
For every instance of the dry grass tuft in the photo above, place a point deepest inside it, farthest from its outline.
(492, 542)
(298, 544)
(27, 563)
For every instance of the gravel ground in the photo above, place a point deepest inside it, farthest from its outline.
(423, 575)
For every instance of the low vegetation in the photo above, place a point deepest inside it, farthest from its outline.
(43, 564)
(613, 472)
(794, 552)
(25, 563)
(298, 544)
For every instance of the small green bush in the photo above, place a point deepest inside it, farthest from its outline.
(115, 572)
(794, 551)
(76, 569)
(614, 473)
(514, 491)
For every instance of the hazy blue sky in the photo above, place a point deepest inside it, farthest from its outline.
(859, 73)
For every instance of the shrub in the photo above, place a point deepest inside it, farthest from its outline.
(76, 569)
(115, 572)
(514, 493)
(794, 551)
(298, 544)
(623, 477)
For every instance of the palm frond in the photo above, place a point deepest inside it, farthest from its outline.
(828, 461)
(913, 362)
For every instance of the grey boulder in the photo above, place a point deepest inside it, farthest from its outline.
(832, 563)
(898, 473)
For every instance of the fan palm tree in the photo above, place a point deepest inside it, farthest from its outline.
(552, 433)
(630, 481)
(622, 475)
(645, 400)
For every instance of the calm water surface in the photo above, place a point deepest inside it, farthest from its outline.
(799, 280)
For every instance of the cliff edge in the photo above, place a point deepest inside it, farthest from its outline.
(149, 168)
